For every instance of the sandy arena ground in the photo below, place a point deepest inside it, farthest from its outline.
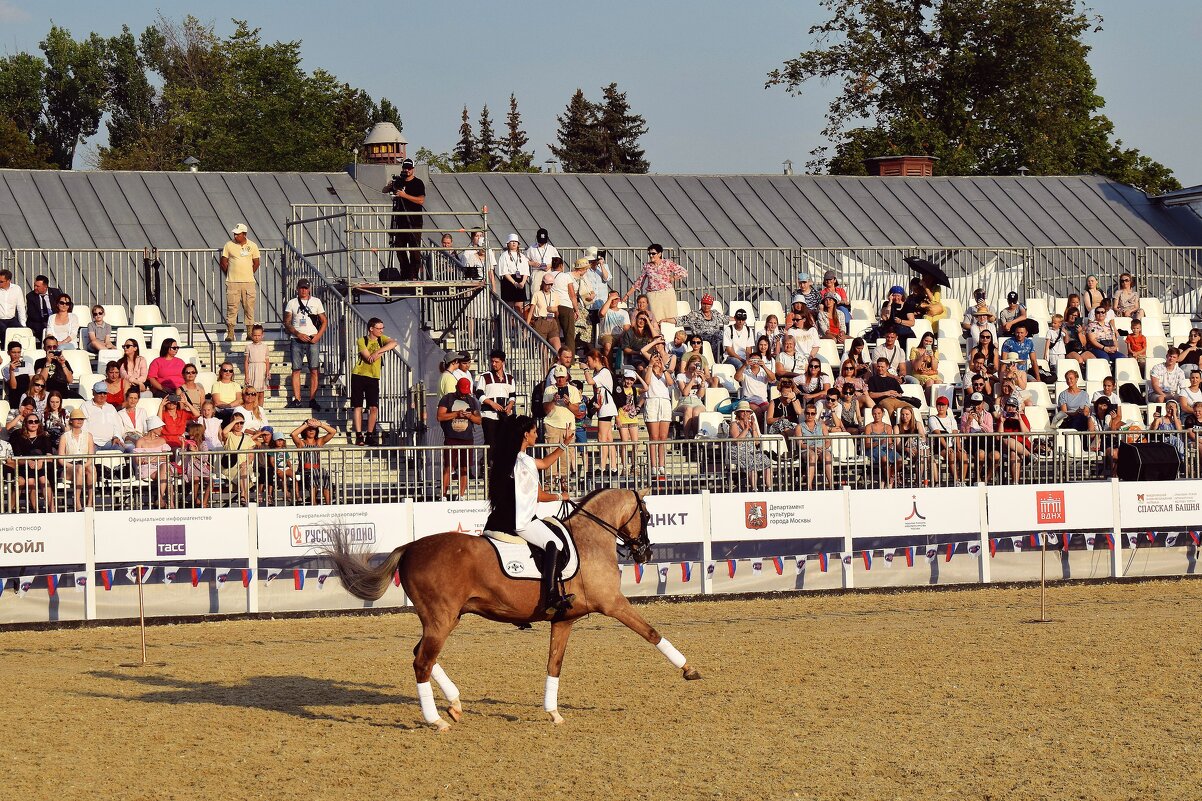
(914, 695)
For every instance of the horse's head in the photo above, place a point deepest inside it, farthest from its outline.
(638, 540)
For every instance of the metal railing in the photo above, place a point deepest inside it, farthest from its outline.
(342, 474)
(195, 323)
(118, 277)
(495, 325)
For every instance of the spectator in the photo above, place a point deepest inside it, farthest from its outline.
(806, 334)
(754, 379)
(1108, 392)
(978, 421)
(236, 470)
(1023, 349)
(893, 354)
(306, 321)
(64, 324)
(1169, 420)
(191, 393)
(1018, 447)
(196, 469)
(16, 374)
(101, 420)
(512, 274)
(1190, 351)
(1091, 297)
(1104, 420)
(564, 357)
(942, 427)
(706, 323)
(1100, 338)
(849, 378)
(133, 419)
(16, 418)
(830, 284)
(12, 305)
(830, 321)
(310, 436)
(239, 262)
(931, 301)
(789, 362)
(913, 307)
(54, 418)
(1193, 425)
(454, 368)
(212, 426)
(1010, 373)
(601, 382)
(54, 369)
(749, 455)
(810, 296)
(855, 354)
(986, 348)
(226, 393)
(797, 310)
(763, 349)
(563, 291)
(1072, 404)
(40, 305)
(1013, 318)
(830, 412)
(34, 475)
(408, 199)
(133, 365)
(1137, 345)
(99, 335)
(614, 320)
(1166, 380)
(851, 419)
(543, 312)
(629, 399)
(455, 261)
(1054, 345)
(561, 402)
(785, 411)
(1193, 393)
(252, 412)
(38, 393)
(978, 298)
(900, 314)
(774, 333)
(813, 384)
(255, 364)
(365, 379)
(691, 385)
(540, 254)
(912, 443)
(882, 455)
(176, 415)
(585, 298)
(597, 277)
(153, 464)
(657, 279)
(496, 391)
(1126, 299)
(657, 412)
(983, 323)
(458, 413)
(643, 306)
(814, 438)
(1075, 345)
(479, 261)
(166, 372)
(635, 341)
(76, 442)
(922, 361)
(885, 389)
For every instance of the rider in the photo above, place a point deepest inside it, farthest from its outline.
(515, 492)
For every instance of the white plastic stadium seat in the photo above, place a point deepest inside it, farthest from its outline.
(147, 316)
(1179, 327)
(158, 334)
(768, 307)
(1126, 371)
(708, 423)
(746, 306)
(862, 310)
(955, 313)
(949, 372)
(80, 361)
(915, 391)
(921, 326)
(1037, 418)
(1131, 413)
(189, 355)
(149, 405)
(1037, 309)
(715, 396)
(667, 331)
(828, 352)
(1037, 391)
(1097, 369)
(1158, 346)
(106, 356)
(22, 335)
(134, 333)
(115, 316)
(682, 308)
(206, 378)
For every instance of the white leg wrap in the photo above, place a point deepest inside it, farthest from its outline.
(425, 695)
(667, 649)
(551, 694)
(449, 690)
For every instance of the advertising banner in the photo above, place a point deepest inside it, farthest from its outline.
(56, 539)
(776, 515)
(675, 518)
(466, 517)
(298, 531)
(171, 534)
(915, 512)
(1151, 504)
(1050, 507)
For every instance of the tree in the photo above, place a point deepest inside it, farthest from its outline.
(486, 144)
(517, 158)
(18, 151)
(465, 154)
(131, 98)
(386, 112)
(580, 147)
(620, 131)
(987, 86)
(73, 90)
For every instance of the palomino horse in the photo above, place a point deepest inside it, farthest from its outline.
(448, 575)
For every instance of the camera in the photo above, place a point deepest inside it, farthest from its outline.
(563, 392)
(173, 398)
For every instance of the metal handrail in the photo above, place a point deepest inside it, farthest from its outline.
(193, 317)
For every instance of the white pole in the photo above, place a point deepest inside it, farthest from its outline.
(89, 563)
(1116, 553)
(984, 565)
(141, 614)
(707, 545)
(849, 579)
(252, 562)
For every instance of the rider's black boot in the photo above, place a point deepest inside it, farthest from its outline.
(555, 601)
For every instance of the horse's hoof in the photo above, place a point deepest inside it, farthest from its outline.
(440, 726)
(556, 718)
(455, 710)
(690, 674)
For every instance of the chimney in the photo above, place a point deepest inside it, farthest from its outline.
(385, 145)
(907, 166)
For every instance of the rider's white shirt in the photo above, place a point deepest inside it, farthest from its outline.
(525, 488)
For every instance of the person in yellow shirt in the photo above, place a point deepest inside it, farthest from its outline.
(239, 262)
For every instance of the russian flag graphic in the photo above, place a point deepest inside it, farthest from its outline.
(822, 562)
(195, 576)
(1193, 535)
(867, 559)
(298, 579)
(951, 549)
(779, 563)
(730, 568)
(1109, 540)
(106, 578)
(638, 573)
(246, 576)
(993, 543)
(910, 556)
(52, 583)
(686, 572)
(1066, 539)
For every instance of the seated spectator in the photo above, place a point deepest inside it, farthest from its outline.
(885, 389)
(830, 411)
(1072, 405)
(313, 477)
(133, 419)
(806, 333)
(16, 374)
(54, 370)
(1013, 318)
(1016, 448)
(1054, 344)
(789, 362)
(55, 419)
(1126, 298)
(813, 435)
(1023, 349)
(115, 386)
(212, 426)
(1166, 380)
(706, 323)
(153, 464)
(797, 310)
(977, 419)
(831, 324)
(226, 393)
(911, 441)
(849, 378)
(1193, 393)
(923, 366)
(1091, 296)
(813, 384)
(763, 348)
(1137, 344)
(196, 467)
(1170, 420)
(34, 475)
(982, 323)
(1190, 350)
(878, 437)
(1010, 372)
(1076, 347)
(133, 365)
(694, 348)
(1100, 338)
(754, 379)
(64, 325)
(236, 469)
(830, 284)
(749, 456)
(774, 333)
(1103, 421)
(893, 354)
(931, 301)
(1007, 391)
(643, 306)
(191, 392)
(1193, 425)
(1074, 302)
(37, 393)
(176, 413)
(99, 335)
(903, 311)
(940, 424)
(738, 340)
(1108, 391)
(810, 295)
(166, 372)
(785, 411)
(855, 355)
(16, 417)
(966, 323)
(252, 411)
(101, 420)
(77, 442)
(987, 349)
(851, 419)
(542, 313)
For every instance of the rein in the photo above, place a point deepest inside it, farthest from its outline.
(638, 551)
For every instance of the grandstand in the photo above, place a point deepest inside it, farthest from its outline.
(743, 239)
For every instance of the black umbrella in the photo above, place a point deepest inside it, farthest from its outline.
(928, 268)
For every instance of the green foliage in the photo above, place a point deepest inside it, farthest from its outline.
(437, 162)
(987, 86)
(486, 144)
(600, 137)
(517, 158)
(18, 151)
(580, 147)
(465, 155)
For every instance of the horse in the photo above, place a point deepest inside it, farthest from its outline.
(448, 575)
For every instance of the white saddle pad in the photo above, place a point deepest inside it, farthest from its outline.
(513, 553)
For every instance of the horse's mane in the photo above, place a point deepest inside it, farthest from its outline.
(580, 503)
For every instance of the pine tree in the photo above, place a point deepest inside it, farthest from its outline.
(517, 158)
(486, 144)
(465, 154)
(580, 148)
(621, 130)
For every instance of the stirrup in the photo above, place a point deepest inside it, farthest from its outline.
(560, 604)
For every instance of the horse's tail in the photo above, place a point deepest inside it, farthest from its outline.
(358, 576)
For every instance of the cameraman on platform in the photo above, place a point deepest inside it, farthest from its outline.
(408, 196)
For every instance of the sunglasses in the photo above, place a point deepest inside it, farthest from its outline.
(97, 314)
(37, 385)
(811, 414)
(64, 303)
(695, 342)
(227, 369)
(173, 347)
(129, 345)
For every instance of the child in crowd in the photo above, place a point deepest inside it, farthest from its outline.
(212, 426)
(254, 364)
(1137, 343)
(195, 466)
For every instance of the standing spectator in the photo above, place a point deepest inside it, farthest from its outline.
(1091, 296)
(458, 412)
(63, 324)
(539, 255)
(12, 305)
(239, 262)
(629, 399)
(543, 312)
(706, 323)
(658, 410)
(599, 377)
(255, 364)
(1075, 346)
(310, 436)
(454, 260)
(813, 434)
(512, 274)
(478, 260)
(99, 335)
(598, 277)
(809, 294)
(912, 442)
(584, 300)
(1126, 299)
(365, 379)
(408, 199)
(563, 291)
(196, 467)
(561, 403)
(455, 368)
(101, 420)
(691, 383)
(497, 393)
(306, 322)
(16, 374)
(77, 442)
(166, 372)
(40, 305)
(657, 279)
(1166, 380)
(940, 424)
(54, 369)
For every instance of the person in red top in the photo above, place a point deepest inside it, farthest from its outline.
(167, 371)
(176, 414)
(1137, 343)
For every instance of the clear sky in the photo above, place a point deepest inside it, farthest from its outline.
(694, 68)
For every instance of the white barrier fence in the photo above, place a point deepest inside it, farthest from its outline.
(80, 565)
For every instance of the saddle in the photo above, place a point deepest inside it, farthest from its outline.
(521, 560)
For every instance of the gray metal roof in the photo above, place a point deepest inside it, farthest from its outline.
(59, 209)
(815, 211)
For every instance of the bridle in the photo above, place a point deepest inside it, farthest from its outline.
(637, 547)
